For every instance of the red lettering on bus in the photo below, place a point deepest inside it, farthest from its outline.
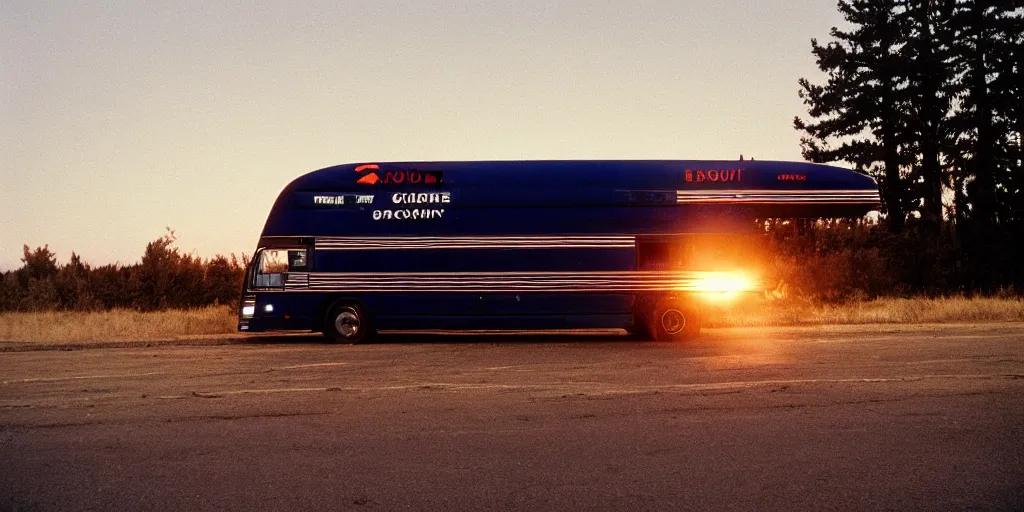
(396, 177)
(369, 179)
(792, 177)
(713, 175)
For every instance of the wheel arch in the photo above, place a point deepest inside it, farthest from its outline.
(328, 303)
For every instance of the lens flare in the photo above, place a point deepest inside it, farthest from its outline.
(724, 285)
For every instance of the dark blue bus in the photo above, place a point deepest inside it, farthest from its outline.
(524, 245)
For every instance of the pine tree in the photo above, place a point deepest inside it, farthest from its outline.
(981, 42)
(1008, 89)
(931, 84)
(858, 114)
(986, 41)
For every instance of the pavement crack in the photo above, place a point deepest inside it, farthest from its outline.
(225, 417)
(207, 395)
(236, 373)
(81, 377)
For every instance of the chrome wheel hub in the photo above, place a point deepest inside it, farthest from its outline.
(673, 321)
(347, 323)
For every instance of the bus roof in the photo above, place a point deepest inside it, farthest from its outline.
(575, 173)
(466, 197)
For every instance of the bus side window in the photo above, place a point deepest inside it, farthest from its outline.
(655, 255)
(297, 260)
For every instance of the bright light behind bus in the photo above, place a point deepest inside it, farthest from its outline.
(724, 285)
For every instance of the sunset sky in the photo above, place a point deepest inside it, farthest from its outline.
(121, 118)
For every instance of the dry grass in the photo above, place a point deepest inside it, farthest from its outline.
(878, 311)
(64, 326)
(118, 325)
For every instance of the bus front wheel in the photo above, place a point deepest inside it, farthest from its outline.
(672, 320)
(348, 323)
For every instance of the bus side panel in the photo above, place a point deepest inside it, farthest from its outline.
(541, 221)
(305, 310)
(475, 260)
(290, 311)
(543, 304)
(505, 322)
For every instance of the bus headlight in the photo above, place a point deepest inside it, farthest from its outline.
(248, 310)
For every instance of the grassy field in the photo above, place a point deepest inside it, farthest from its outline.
(221, 320)
(878, 311)
(116, 325)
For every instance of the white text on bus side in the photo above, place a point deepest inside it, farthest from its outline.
(423, 213)
(421, 198)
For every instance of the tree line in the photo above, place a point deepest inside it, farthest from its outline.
(926, 96)
(165, 278)
(822, 260)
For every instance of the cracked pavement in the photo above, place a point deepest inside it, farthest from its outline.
(851, 418)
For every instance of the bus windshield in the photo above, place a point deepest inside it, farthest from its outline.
(272, 264)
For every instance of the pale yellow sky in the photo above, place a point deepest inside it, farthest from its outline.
(121, 118)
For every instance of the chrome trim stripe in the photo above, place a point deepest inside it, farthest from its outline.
(508, 281)
(296, 280)
(470, 242)
(778, 196)
(776, 192)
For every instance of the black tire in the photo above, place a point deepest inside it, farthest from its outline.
(348, 322)
(673, 320)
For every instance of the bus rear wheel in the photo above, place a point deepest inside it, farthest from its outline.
(348, 323)
(673, 320)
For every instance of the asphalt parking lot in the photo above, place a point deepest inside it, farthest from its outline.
(852, 418)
